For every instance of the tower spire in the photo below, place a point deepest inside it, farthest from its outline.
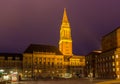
(65, 18)
(65, 42)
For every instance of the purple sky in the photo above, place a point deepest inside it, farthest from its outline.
(23, 22)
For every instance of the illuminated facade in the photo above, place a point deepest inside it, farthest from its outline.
(43, 61)
(73, 63)
(77, 65)
(49, 61)
(65, 42)
(46, 61)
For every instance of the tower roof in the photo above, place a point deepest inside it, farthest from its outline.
(65, 18)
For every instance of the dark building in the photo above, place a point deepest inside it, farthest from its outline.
(11, 62)
(106, 65)
(109, 60)
(90, 64)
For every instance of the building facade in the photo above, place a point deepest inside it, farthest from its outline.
(42, 61)
(109, 60)
(65, 42)
(105, 65)
(46, 61)
(10, 63)
(90, 63)
(77, 65)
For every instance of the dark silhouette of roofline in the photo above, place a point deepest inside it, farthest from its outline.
(42, 48)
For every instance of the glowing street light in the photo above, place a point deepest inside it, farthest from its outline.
(1, 70)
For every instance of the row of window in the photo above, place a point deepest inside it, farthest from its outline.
(108, 70)
(45, 63)
(78, 60)
(42, 67)
(43, 59)
(10, 58)
(75, 63)
(10, 64)
(107, 58)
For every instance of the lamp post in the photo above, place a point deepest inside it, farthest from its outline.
(1, 72)
(32, 66)
(53, 74)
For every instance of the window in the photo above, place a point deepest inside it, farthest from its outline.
(117, 69)
(116, 56)
(10, 58)
(40, 63)
(44, 63)
(48, 59)
(81, 60)
(52, 64)
(113, 63)
(17, 58)
(2, 58)
(113, 69)
(40, 59)
(118, 76)
(117, 63)
(49, 63)
(44, 59)
(113, 57)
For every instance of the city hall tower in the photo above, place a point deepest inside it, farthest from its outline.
(65, 42)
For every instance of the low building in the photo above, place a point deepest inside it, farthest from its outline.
(11, 62)
(90, 63)
(77, 65)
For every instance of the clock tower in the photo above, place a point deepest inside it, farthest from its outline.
(65, 42)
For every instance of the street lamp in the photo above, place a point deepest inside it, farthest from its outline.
(53, 74)
(1, 72)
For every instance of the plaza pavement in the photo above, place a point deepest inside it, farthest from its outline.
(61, 81)
(69, 81)
(117, 81)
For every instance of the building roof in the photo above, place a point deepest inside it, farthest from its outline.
(6, 55)
(65, 18)
(11, 54)
(111, 31)
(42, 48)
(95, 52)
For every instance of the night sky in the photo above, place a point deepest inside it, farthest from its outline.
(25, 22)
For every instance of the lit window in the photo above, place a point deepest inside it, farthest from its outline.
(113, 69)
(10, 58)
(113, 63)
(118, 76)
(117, 69)
(117, 63)
(113, 57)
(116, 56)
